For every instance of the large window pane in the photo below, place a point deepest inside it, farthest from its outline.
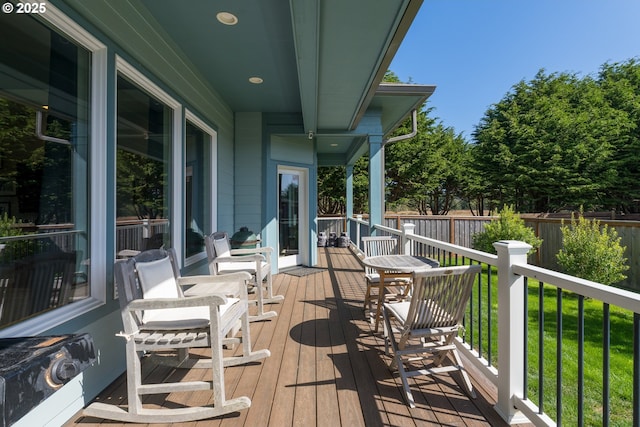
(44, 110)
(143, 170)
(197, 191)
(289, 213)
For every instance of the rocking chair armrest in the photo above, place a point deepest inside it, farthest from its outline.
(239, 258)
(247, 251)
(241, 277)
(231, 284)
(195, 301)
(265, 252)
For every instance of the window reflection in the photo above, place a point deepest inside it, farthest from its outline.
(142, 188)
(197, 190)
(44, 110)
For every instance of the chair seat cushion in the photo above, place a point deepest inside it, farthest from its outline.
(433, 318)
(400, 310)
(181, 318)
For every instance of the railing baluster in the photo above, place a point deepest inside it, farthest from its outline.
(489, 312)
(580, 360)
(636, 369)
(559, 357)
(606, 354)
(471, 316)
(540, 347)
(479, 314)
(525, 353)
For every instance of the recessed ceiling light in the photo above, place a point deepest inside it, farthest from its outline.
(334, 145)
(227, 18)
(256, 80)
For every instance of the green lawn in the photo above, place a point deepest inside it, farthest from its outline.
(621, 351)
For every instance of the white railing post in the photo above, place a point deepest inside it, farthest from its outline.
(358, 225)
(146, 228)
(511, 320)
(407, 244)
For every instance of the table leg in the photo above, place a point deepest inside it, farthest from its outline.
(381, 290)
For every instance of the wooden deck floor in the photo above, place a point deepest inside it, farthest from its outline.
(327, 367)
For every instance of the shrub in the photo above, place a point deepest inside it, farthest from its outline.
(592, 252)
(7, 226)
(13, 249)
(509, 226)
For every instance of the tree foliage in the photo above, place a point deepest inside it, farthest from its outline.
(332, 188)
(556, 142)
(425, 172)
(142, 182)
(37, 171)
(560, 141)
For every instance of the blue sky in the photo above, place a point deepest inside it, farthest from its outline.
(474, 51)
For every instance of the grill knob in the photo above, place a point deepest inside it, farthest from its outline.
(63, 370)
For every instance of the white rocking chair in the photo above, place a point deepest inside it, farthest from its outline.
(158, 317)
(424, 327)
(255, 261)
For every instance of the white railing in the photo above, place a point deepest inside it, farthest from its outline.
(513, 273)
(131, 235)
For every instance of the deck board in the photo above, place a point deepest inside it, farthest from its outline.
(327, 367)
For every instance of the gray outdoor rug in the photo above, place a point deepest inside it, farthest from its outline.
(302, 270)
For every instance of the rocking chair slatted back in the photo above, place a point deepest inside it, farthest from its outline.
(439, 297)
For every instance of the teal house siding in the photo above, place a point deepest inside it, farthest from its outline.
(248, 172)
(225, 173)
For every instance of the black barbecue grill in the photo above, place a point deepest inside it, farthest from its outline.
(33, 368)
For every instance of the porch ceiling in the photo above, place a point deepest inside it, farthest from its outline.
(322, 58)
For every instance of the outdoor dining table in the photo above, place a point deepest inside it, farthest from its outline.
(397, 266)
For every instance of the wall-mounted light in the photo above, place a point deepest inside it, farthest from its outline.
(256, 80)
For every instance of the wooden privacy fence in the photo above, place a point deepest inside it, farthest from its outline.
(459, 230)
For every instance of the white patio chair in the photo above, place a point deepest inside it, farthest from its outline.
(255, 261)
(158, 317)
(375, 246)
(424, 327)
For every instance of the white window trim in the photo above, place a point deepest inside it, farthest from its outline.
(213, 158)
(55, 19)
(176, 167)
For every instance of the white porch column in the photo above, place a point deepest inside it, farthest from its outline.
(407, 244)
(511, 291)
(349, 201)
(358, 233)
(376, 181)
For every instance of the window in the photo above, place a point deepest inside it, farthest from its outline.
(198, 186)
(143, 163)
(45, 81)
